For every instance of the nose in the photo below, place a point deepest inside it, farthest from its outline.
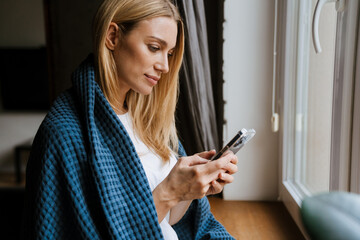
(162, 64)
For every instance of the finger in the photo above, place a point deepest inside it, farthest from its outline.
(209, 176)
(231, 168)
(226, 178)
(216, 187)
(220, 163)
(234, 158)
(211, 170)
(196, 160)
(207, 154)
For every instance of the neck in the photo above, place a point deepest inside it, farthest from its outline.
(120, 111)
(120, 105)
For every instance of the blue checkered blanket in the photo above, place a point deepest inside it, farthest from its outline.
(85, 179)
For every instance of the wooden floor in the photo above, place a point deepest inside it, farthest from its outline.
(255, 220)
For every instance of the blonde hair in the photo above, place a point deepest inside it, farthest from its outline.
(153, 115)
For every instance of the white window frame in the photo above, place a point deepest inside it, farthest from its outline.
(355, 153)
(343, 102)
(290, 193)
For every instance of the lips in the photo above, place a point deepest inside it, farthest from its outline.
(155, 78)
(152, 79)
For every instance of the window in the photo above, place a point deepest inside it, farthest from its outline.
(317, 100)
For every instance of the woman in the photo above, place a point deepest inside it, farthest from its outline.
(106, 162)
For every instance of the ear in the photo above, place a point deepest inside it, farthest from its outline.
(112, 36)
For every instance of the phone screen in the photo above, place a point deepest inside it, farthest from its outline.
(236, 143)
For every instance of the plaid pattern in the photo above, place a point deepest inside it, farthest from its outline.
(85, 179)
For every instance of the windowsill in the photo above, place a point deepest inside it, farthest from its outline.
(255, 219)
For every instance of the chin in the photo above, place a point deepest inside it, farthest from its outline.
(146, 91)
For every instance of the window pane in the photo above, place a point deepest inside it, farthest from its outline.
(316, 167)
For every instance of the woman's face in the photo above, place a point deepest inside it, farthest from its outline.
(142, 55)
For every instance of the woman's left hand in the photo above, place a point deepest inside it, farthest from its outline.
(216, 186)
(224, 177)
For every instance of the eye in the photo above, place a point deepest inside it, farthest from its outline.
(153, 48)
(170, 54)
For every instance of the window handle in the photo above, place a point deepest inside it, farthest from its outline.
(339, 6)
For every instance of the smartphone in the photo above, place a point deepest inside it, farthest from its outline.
(237, 142)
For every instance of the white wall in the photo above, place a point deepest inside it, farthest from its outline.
(248, 53)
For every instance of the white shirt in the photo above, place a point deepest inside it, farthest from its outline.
(155, 168)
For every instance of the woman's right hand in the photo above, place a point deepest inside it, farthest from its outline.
(191, 178)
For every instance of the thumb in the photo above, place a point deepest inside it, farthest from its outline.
(207, 154)
(196, 160)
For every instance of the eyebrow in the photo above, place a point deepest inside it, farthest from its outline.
(163, 42)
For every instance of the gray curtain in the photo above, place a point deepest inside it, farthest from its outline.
(196, 117)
